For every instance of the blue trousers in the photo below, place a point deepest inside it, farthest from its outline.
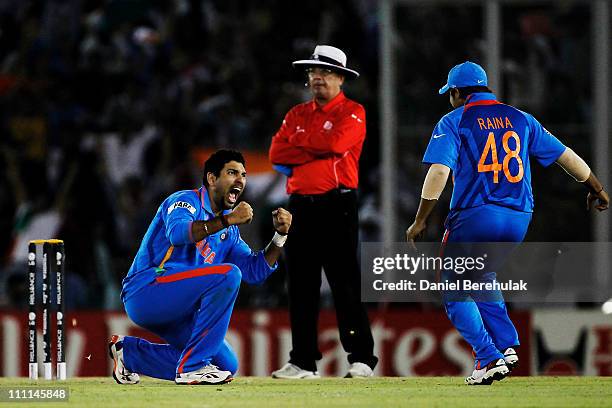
(486, 326)
(190, 309)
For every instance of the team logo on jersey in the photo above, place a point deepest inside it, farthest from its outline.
(223, 236)
(328, 125)
(182, 204)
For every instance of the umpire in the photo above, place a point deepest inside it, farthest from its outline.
(318, 147)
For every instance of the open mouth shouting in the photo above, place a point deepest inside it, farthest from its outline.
(233, 194)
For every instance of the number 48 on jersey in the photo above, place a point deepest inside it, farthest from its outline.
(490, 149)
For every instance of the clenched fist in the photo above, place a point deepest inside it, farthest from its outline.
(282, 220)
(242, 214)
(600, 200)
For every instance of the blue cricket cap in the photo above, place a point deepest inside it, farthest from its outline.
(465, 74)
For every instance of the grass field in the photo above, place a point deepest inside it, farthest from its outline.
(336, 392)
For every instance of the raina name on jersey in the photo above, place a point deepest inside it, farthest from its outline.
(494, 123)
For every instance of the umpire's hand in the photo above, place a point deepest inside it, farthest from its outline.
(282, 220)
(242, 214)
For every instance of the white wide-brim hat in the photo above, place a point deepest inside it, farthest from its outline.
(329, 57)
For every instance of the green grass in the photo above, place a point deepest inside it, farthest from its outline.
(336, 392)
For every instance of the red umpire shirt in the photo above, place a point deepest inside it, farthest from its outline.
(322, 144)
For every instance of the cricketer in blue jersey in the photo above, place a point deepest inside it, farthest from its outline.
(488, 146)
(185, 279)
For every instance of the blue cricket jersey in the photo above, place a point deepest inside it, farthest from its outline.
(168, 246)
(487, 145)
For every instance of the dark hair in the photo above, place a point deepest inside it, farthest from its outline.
(468, 90)
(217, 160)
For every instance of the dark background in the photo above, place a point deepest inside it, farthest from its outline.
(102, 104)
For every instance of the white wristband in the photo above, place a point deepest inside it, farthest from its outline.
(279, 240)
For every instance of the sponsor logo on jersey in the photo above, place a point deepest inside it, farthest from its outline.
(206, 251)
(182, 204)
(328, 125)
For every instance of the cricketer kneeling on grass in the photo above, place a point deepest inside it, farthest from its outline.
(185, 279)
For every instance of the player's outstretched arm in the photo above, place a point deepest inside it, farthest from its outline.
(434, 184)
(281, 219)
(576, 167)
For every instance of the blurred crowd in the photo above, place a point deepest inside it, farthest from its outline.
(103, 104)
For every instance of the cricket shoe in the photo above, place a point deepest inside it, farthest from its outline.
(496, 370)
(511, 358)
(359, 370)
(207, 375)
(292, 372)
(120, 373)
